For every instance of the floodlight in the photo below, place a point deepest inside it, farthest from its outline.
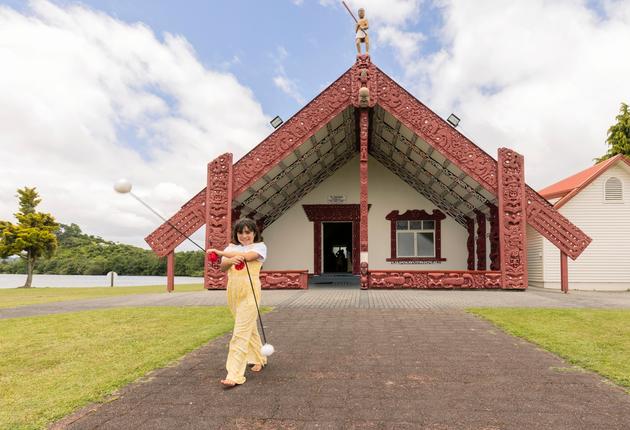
(453, 120)
(276, 122)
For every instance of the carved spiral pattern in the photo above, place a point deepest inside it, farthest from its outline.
(218, 215)
(284, 280)
(512, 219)
(427, 279)
(301, 126)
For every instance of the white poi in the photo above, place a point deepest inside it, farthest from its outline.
(267, 349)
(122, 186)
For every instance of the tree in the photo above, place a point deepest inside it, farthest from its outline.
(32, 237)
(618, 139)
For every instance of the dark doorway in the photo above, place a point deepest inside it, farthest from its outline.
(337, 247)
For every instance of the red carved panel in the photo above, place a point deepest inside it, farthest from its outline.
(293, 133)
(218, 216)
(317, 242)
(364, 75)
(470, 243)
(333, 212)
(363, 180)
(435, 131)
(416, 215)
(188, 220)
(495, 256)
(284, 279)
(552, 225)
(512, 219)
(434, 279)
(481, 240)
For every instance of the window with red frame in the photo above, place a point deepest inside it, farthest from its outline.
(416, 236)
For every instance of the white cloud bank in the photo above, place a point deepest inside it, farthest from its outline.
(545, 77)
(87, 99)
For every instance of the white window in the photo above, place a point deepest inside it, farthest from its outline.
(613, 191)
(415, 238)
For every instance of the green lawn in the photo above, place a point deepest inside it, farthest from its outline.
(51, 365)
(13, 297)
(594, 339)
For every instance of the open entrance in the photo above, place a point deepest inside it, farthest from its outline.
(337, 247)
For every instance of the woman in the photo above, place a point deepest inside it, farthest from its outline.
(247, 246)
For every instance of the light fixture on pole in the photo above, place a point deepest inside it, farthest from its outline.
(276, 122)
(453, 120)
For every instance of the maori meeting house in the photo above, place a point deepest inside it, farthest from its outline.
(365, 180)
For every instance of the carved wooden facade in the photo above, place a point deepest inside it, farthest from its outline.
(365, 89)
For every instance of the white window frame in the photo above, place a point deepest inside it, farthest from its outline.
(415, 237)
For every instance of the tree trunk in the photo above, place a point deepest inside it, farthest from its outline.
(30, 264)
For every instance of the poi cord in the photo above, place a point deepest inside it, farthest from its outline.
(251, 284)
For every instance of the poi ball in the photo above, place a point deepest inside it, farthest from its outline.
(213, 257)
(240, 265)
(122, 186)
(267, 349)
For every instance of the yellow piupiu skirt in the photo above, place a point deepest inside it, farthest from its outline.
(245, 344)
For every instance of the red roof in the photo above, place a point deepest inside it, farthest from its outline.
(569, 187)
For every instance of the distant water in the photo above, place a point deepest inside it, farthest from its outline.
(12, 281)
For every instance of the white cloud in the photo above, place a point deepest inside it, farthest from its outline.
(543, 77)
(87, 99)
(287, 85)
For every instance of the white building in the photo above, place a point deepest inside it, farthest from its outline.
(598, 200)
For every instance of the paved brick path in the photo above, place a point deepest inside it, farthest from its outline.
(347, 297)
(371, 369)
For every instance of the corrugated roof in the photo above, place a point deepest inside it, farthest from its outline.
(569, 187)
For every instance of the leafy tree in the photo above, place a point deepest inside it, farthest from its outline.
(33, 237)
(618, 135)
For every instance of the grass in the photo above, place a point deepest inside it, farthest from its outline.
(594, 339)
(12, 297)
(52, 365)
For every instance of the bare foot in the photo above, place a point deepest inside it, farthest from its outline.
(228, 383)
(257, 368)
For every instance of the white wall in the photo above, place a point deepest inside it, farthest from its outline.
(605, 264)
(534, 257)
(387, 192)
(290, 238)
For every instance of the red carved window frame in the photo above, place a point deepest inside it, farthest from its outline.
(416, 215)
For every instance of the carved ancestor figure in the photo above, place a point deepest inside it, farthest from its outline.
(361, 28)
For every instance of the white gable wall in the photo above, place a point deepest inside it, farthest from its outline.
(605, 263)
(387, 192)
(534, 257)
(290, 238)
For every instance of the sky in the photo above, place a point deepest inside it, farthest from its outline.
(152, 91)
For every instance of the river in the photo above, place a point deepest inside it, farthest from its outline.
(12, 281)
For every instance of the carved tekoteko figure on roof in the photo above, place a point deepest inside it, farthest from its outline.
(361, 28)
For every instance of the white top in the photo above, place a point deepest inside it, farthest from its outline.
(259, 248)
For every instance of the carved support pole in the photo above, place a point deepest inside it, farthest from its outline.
(363, 179)
(470, 243)
(494, 238)
(564, 273)
(481, 240)
(170, 271)
(218, 215)
(512, 219)
(317, 241)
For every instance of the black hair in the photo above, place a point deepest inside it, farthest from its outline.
(249, 224)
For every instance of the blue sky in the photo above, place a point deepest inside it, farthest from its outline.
(153, 90)
(246, 37)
